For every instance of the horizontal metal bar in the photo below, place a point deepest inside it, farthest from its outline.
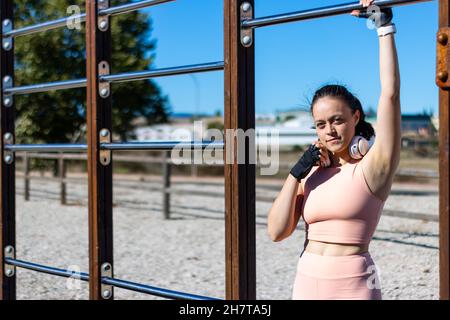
(327, 11)
(148, 145)
(120, 77)
(165, 293)
(54, 147)
(162, 145)
(44, 87)
(133, 286)
(54, 24)
(129, 7)
(49, 270)
(49, 25)
(74, 156)
(140, 75)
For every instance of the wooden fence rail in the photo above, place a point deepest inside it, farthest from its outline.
(166, 173)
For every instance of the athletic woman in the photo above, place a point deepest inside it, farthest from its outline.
(340, 184)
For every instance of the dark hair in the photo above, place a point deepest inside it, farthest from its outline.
(363, 128)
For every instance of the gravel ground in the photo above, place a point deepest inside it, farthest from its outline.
(186, 253)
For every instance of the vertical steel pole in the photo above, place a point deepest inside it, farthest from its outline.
(7, 167)
(239, 100)
(98, 60)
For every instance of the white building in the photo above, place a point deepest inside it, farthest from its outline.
(297, 131)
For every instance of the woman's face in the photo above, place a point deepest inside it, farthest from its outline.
(335, 123)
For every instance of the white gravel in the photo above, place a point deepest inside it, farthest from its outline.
(186, 253)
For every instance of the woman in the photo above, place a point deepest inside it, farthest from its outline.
(339, 196)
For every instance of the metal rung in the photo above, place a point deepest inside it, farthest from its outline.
(44, 87)
(129, 7)
(151, 145)
(160, 292)
(162, 145)
(49, 25)
(132, 286)
(322, 12)
(45, 269)
(120, 77)
(140, 75)
(56, 147)
(59, 23)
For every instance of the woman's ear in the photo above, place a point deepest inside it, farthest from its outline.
(357, 117)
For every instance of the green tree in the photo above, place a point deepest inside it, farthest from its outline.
(371, 112)
(289, 117)
(55, 55)
(428, 112)
(216, 125)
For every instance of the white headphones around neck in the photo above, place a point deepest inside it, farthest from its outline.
(359, 146)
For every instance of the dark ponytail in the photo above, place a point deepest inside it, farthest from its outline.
(363, 128)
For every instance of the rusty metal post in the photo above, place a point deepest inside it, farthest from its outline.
(7, 166)
(98, 60)
(239, 100)
(443, 81)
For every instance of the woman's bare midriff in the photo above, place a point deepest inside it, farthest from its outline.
(335, 249)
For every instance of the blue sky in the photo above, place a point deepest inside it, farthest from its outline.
(292, 60)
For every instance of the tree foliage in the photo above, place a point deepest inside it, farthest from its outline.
(56, 55)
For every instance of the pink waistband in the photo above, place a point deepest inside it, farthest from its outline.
(316, 265)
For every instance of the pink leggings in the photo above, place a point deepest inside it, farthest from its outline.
(336, 277)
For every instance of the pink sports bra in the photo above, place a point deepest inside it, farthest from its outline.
(338, 206)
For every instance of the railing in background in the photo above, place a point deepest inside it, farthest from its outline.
(166, 164)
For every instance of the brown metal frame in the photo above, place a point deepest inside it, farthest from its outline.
(98, 49)
(239, 80)
(442, 73)
(7, 171)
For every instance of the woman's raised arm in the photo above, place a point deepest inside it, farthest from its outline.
(381, 162)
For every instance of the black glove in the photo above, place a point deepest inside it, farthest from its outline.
(306, 162)
(380, 17)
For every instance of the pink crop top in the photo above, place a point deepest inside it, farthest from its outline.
(338, 206)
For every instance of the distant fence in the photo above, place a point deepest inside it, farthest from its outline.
(166, 174)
